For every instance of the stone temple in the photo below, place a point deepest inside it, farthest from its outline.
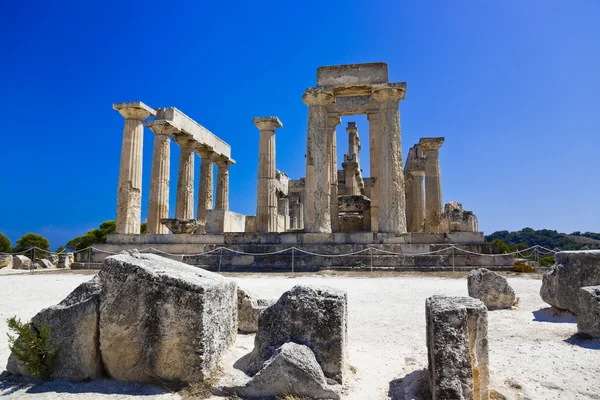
(393, 218)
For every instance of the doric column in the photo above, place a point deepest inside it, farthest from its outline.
(353, 140)
(266, 202)
(350, 173)
(374, 164)
(184, 207)
(333, 121)
(222, 201)
(205, 188)
(158, 204)
(417, 199)
(392, 206)
(433, 183)
(129, 194)
(317, 207)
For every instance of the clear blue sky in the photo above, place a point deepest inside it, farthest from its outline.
(513, 85)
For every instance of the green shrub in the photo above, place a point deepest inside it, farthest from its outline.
(31, 347)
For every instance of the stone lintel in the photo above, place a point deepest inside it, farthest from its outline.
(267, 123)
(431, 143)
(190, 127)
(162, 127)
(134, 110)
(352, 74)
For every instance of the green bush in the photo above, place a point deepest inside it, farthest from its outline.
(31, 347)
(5, 245)
(30, 240)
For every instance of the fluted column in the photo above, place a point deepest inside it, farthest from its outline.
(129, 193)
(417, 199)
(222, 201)
(205, 188)
(317, 207)
(266, 202)
(392, 206)
(433, 183)
(158, 203)
(184, 207)
(333, 121)
(374, 166)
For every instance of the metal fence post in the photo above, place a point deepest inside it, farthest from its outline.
(293, 251)
(371, 254)
(453, 258)
(220, 258)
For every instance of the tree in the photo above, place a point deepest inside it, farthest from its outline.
(97, 235)
(5, 244)
(503, 246)
(30, 240)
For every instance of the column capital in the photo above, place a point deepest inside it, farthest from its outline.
(224, 162)
(162, 127)
(186, 142)
(351, 128)
(267, 123)
(134, 110)
(333, 120)
(381, 95)
(317, 97)
(428, 144)
(417, 172)
(205, 153)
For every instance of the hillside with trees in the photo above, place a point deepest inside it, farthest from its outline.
(550, 239)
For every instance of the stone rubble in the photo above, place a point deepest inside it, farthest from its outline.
(22, 262)
(573, 270)
(249, 309)
(588, 317)
(491, 288)
(457, 348)
(6, 261)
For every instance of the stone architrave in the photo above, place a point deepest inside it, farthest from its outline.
(185, 180)
(266, 204)
(392, 204)
(158, 204)
(205, 188)
(373, 118)
(222, 198)
(129, 195)
(317, 207)
(332, 122)
(457, 348)
(433, 183)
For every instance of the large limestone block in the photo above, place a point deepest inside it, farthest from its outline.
(22, 262)
(457, 348)
(64, 260)
(6, 261)
(491, 288)
(573, 270)
(163, 320)
(53, 258)
(588, 317)
(249, 309)
(293, 369)
(42, 264)
(315, 316)
(74, 334)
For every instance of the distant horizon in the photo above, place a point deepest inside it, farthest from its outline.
(512, 86)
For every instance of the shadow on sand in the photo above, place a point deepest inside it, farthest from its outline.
(11, 384)
(584, 340)
(553, 314)
(412, 386)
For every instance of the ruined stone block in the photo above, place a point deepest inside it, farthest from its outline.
(457, 348)
(588, 317)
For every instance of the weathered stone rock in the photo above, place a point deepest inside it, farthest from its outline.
(178, 226)
(22, 262)
(64, 260)
(573, 270)
(74, 334)
(457, 348)
(353, 203)
(588, 316)
(293, 369)
(6, 261)
(491, 288)
(249, 309)
(162, 320)
(43, 264)
(53, 258)
(455, 219)
(315, 316)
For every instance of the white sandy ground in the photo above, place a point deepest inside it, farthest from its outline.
(532, 352)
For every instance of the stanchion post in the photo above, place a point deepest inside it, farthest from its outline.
(32, 260)
(452, 258)
(293, 251)
(220, 258)
(371, 254)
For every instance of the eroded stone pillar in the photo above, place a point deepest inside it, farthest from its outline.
(417, 199)
(392, 206)
(184, 206)
(205, 188)
(317, 207)
(158, 203)
(266, 202)
(433, 183)
(222, 200)
(129, 193)
(374, 164)
(333, 121)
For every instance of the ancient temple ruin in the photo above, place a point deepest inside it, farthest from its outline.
(331, 209)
